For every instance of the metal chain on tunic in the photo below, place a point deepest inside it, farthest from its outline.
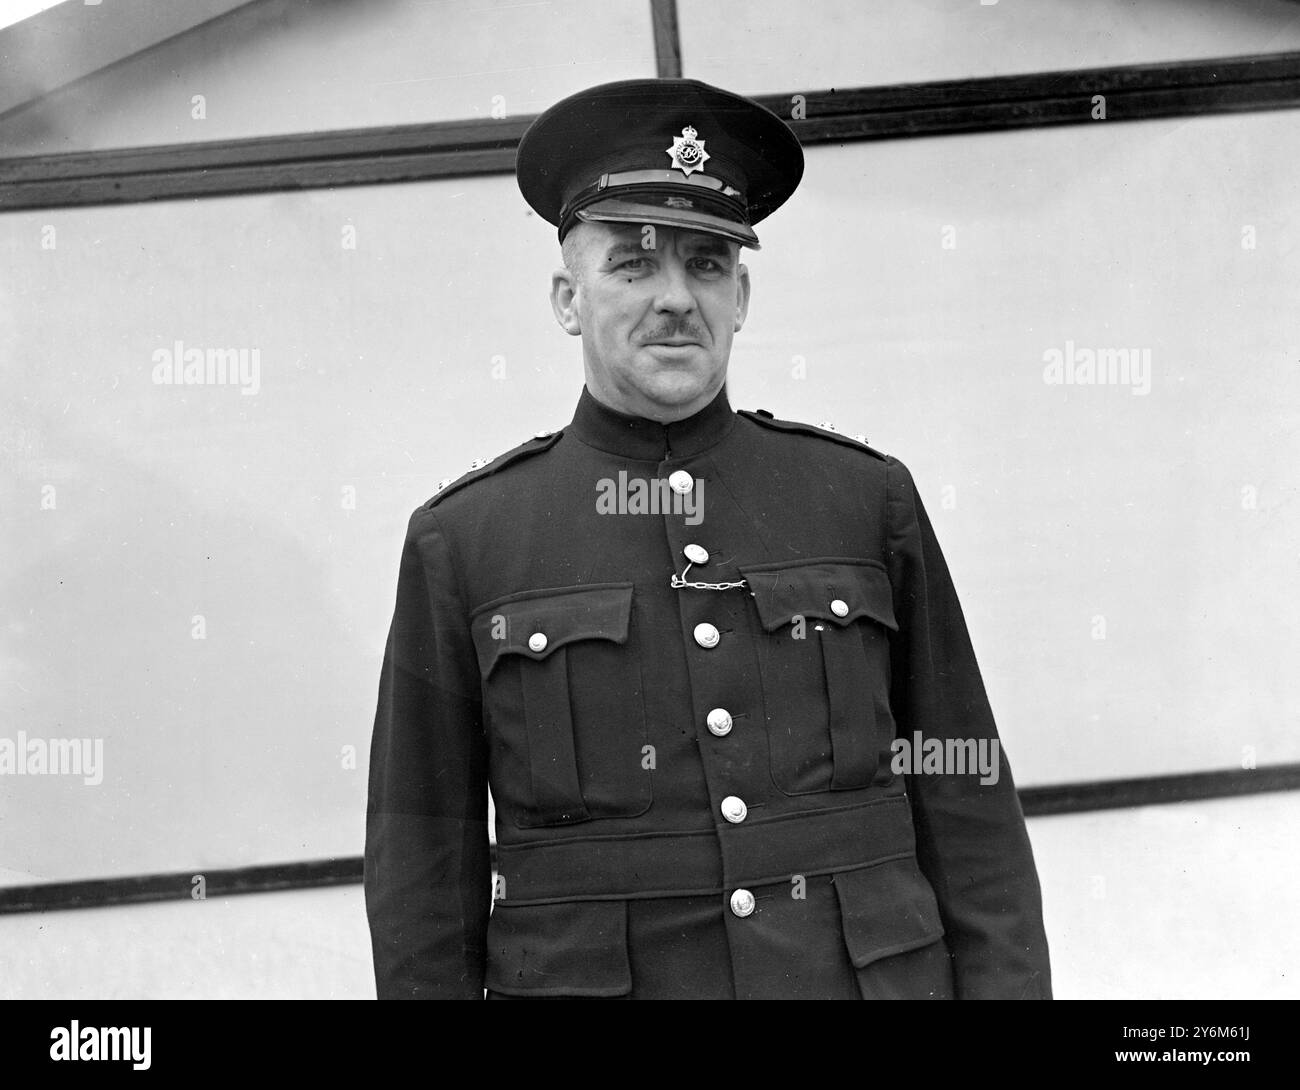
(679, 581)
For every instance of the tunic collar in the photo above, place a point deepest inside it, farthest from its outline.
(599, 426)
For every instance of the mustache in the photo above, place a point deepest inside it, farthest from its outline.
(684, 330)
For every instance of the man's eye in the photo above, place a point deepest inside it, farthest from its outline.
(633, 264)
(707, 264)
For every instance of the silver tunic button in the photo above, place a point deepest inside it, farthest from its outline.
(706, 635)
(680, 481)
(696, 554)
(719, 722)
(840, 607)
(537, 642)
(742, 903)
(734, 809)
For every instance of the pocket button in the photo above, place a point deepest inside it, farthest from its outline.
(719, 722)
(734, 809)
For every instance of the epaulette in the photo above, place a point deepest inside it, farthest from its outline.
(485, 467)
(824, 430)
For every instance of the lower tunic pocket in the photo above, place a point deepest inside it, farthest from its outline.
(576, 948)
(893, 932)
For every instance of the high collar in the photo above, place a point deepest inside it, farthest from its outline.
(599, 426)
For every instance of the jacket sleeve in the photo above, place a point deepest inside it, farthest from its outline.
(971, 839)
(427, 864)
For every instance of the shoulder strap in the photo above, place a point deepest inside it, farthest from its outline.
(485, 467)
(820, 431)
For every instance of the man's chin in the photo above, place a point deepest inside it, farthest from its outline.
(674, 388)
(670, 389)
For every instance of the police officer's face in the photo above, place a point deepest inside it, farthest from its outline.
(656, 308)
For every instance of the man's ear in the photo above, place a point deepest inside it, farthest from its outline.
(564, 301)
(742, 296)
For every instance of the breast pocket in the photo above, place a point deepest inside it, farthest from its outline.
(825, 663)
(563, 698)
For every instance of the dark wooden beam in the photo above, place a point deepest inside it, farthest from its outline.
(1136, 93)
(668, 42)
(1067, 798)
(1076, 798)
(457, 148)
(299, 161)
(144, 888)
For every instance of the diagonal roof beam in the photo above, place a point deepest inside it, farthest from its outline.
(71, 40)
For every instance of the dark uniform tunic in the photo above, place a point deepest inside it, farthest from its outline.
(693, 787)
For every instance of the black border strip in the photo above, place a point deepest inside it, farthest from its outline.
(461, 148)
(1067, 798)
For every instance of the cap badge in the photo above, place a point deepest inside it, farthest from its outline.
(687, 153)
(677, 202)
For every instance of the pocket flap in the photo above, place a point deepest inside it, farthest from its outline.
(887, 909)
(783, 591)
(559, 616)
(573, 948)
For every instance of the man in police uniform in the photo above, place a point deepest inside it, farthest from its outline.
(677, 642)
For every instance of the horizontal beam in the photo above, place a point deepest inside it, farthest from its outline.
(137, 889)
(1075, 798)
(451, 149)
(225, 167)
(1069, 798)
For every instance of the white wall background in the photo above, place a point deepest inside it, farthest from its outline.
(846, 43)
(281, 66)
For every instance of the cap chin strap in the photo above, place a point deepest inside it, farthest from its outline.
(674, 178)
(602, 212)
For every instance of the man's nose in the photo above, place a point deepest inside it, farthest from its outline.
(674, 295)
